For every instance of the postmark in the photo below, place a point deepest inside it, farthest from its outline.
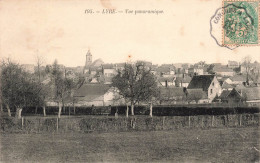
(216, 29)
(240, 22)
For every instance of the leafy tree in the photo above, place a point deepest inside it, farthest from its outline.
(135, 83)
(18, 88)
(195, 95)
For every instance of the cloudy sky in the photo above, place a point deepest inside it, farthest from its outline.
(60, 29)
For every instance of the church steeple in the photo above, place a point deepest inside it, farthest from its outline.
(88, 59)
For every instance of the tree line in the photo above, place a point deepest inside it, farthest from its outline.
(20, 89)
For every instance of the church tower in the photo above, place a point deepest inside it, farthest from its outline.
(88, 59)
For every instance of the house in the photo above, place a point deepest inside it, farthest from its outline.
(195, 71)
(28, 68)
(231, 96)
(182, 81)
(109, 70)
(172, 95)
(238, 79)
(224, 79)
(208, 83)
(165, 71)
(104, 79)
(120, 66)
(166, 81)
(255, 68)
(95, 94)
(153, 69)
(226, 86)
(251, 95)
(223, 71)
(233, 64)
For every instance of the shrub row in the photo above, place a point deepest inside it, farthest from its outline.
(144, 110)
(113, 124)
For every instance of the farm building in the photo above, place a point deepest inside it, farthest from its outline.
(208, 83)
(251, 95)
(231, 96)
(97, 95)
(172, 95)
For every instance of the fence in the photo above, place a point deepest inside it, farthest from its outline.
(135, 123)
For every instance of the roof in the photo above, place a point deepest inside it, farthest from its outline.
(108, 79)
(251, 93)
(168, 65)
(91, 91)
(232, 62)
(241, 78)
(171, 92)
(222, 69)
(97, 63)
(120, 64)
(163, 69)
(239, 87)
(224, 94)
(230, 94)
(108, 66)
(201, 81)
(225, 85)
(163, 79)
(186, 79)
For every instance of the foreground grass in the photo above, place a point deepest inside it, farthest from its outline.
(187, 145)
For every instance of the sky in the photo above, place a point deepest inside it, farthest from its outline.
(60, 29)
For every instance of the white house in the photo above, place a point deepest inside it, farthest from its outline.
(208, 83)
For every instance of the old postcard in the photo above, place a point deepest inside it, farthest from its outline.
(129, 80)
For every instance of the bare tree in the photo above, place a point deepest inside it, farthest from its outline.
(61, 86)
(246, 62)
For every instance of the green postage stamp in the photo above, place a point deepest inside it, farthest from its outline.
(240, 22)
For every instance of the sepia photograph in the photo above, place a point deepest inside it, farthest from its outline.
(129, 81)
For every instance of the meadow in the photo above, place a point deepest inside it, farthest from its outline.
(238, 144)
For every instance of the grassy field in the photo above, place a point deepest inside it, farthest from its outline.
(186, 145)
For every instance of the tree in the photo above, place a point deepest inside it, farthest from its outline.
(210, 69)
(135, 84)
(60, 85)
(246, 62)
(18, 88)
(195, 94)
(149, 92)
(43, 89)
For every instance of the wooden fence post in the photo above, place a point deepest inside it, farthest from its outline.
(22, 122)
(189, 121)
(227, 120)
(240, 119)
(39, 125)
(57, 125)
(202, 123)
(69, 111)
(163, 122)
(212, 121)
